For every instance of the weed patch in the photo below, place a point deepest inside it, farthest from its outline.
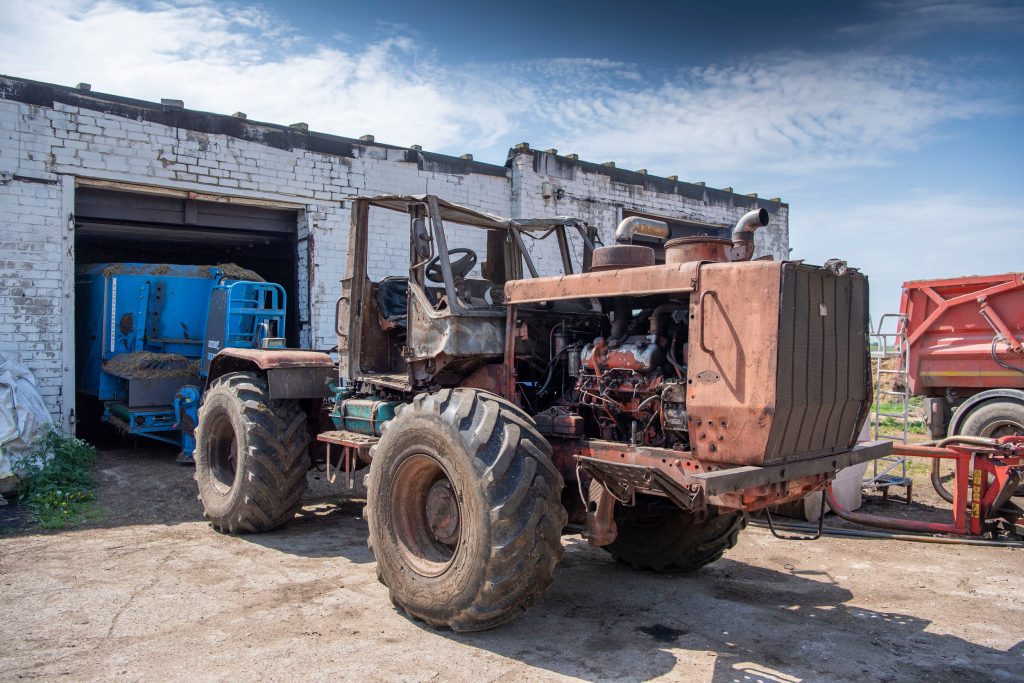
(59, 492)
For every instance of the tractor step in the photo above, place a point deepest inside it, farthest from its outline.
(355, 447)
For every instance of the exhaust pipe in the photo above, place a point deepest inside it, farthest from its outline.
(743, 234)
(638, 225)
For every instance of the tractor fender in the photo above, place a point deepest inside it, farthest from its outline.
(290, 373)
(965, 408)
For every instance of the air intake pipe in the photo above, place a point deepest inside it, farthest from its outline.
(638, 225)
(743, 234)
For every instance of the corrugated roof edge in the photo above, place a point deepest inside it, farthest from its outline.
(280, 136)
(271, 134)
(650, 182)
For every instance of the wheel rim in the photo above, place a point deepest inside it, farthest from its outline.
(426, 515)
(1000, 428)
(222, 453)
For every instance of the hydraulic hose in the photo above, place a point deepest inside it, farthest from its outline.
(1000, 363)
(937, 484)
(882, 535)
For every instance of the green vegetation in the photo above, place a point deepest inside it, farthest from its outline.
(60, 492)
(894, 424)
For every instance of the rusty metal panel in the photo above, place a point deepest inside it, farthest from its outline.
(433, 334)
(265, 359)
(733, 356)
(664, 279)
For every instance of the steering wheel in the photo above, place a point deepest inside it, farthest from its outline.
(460, 266)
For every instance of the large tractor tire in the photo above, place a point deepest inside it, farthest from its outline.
(464, 510)
(251, 455)
(653, 538)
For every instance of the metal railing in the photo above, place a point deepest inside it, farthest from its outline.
(891, 471)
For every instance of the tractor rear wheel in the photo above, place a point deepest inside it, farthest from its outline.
(464, 510)
(660, 540)
(251, 455)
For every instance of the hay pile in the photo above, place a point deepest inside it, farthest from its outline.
(149, 365)
(231, 271)
(234, 271)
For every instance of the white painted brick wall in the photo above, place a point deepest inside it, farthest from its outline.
(599, 200)
(42, 151)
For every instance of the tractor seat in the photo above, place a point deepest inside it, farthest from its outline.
(393, 300)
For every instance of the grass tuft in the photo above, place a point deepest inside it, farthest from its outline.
(59, 492)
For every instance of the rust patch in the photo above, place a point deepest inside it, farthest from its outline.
(126, 324)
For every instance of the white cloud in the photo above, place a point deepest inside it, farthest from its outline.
(224, 59)
(926, 235)
(786, 112)
(789, 113)
(900, 20)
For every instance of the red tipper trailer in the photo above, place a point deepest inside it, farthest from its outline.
(966, 352)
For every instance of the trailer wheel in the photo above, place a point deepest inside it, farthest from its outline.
(669, 541)
(251, 455)
(995, 419)
(464, 510)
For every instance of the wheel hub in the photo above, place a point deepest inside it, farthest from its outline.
(443, 512)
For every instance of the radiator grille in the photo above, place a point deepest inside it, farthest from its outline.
(823, 385)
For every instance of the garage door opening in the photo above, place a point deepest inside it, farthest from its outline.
(167, 231)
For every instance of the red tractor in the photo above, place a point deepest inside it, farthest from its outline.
(651, 396)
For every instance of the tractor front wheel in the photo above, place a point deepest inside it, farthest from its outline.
(464, 510)
(660, 540)
(251, 455)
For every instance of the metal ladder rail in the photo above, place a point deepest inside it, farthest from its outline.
(891, 470)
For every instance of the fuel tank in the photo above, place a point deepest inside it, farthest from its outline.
(363, 415)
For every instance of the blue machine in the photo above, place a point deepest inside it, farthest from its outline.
(147, 333)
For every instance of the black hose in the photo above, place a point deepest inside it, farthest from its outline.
(552, 364)
(1000, 363)
(937, 484)
(671, 355)
(916, 538)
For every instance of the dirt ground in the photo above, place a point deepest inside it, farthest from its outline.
(150, 592)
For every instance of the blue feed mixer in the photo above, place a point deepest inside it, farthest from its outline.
(147, 333)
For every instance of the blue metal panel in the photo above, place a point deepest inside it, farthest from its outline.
(128, 307)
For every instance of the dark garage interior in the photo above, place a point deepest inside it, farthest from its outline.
(114, 226)
(119, 227)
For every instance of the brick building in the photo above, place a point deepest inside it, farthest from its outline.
(88, 177)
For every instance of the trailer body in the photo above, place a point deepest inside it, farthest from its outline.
(965, 340)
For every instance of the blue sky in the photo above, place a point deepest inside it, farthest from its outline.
(894, 129)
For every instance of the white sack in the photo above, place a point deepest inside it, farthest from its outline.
(23, 414)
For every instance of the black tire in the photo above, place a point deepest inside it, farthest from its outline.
(251, 455)
(464, 510)
(653, 538)
(994, 419)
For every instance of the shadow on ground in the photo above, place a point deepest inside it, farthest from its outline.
(731, 621)
(751, 623)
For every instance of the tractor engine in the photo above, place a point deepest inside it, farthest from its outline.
(633, 385)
